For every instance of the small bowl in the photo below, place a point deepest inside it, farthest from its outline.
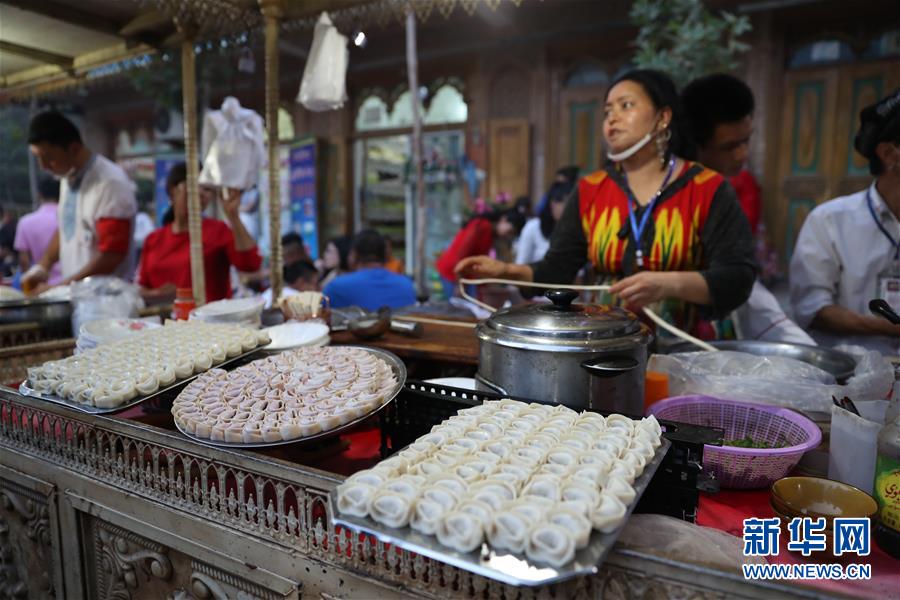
(818, 497)
(369, 328)
(785, 519)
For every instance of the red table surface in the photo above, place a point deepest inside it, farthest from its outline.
(728, 509)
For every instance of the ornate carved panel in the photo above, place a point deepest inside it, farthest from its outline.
(26, 541)
(124, 561)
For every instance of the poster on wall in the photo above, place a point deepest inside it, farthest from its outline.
(164, 164)
(304, 217)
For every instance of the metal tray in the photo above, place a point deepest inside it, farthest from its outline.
(509, 568)
(399, 371)
(26, 390)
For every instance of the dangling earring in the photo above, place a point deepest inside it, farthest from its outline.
(662, 144)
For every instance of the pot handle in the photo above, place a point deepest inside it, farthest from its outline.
(610, 366)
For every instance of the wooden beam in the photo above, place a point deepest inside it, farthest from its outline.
(67, 13)
(50, 58)
(152, 19)
(304, 9)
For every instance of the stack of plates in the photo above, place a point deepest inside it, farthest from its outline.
(102, 331)
(294, 335)
(241, 311)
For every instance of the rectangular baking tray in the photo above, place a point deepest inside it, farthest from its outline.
(513, 569)
(26, 390)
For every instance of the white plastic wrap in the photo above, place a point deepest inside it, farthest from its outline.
(324, 85)
(676, 539)
(772, 380)
(852, 449)
(233, 149)
(103, 297)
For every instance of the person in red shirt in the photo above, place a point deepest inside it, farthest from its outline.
(165, 260)
(476, 238)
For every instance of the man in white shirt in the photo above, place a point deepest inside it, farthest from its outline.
(96, 205)
(848, 249)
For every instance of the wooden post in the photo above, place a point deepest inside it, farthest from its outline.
(273, 11)
(189, 99)
(412, 67)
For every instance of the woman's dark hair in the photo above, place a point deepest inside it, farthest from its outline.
(663, 93)
(48, 188)
(53, 128)
(515, 218)
(558, 192)
(343, 244)
(177, 174)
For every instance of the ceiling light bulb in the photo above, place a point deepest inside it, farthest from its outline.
(359, 39)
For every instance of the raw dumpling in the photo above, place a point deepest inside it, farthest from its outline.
(460, 531)
(509, 531)
(543, 486)
(390, 508)
(441, 495)
(427, 516)
(609, 514)
(550, 544)
(353, 498)
(619, 488)
(576, 523)
(478, 509)
(573, 491)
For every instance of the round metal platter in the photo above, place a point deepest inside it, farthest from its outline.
(397, 367)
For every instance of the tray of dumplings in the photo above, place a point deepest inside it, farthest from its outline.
(301, 395)
(115, 376)
(527, 494)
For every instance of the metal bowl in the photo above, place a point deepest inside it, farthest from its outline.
(839, 364)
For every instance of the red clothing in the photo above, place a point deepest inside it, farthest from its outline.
(166, 258)
(475, 239)
(748, 194)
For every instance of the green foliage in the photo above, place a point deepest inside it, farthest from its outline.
(684, 39)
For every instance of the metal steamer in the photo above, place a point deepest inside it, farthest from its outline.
(581, 355)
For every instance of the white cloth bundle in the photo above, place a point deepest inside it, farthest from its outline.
(324, 85)
(234, 148)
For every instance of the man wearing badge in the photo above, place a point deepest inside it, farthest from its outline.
(848, 251)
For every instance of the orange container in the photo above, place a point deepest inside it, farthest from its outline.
(184, 304)
(656, 388)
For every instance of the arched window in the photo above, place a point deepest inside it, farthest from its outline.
(447, 106)
(372, 115)
(402, 114)
(822, 52)
(586, 75)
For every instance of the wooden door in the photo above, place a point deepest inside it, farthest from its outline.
(580, 128)
(820, 118)
(509, 152)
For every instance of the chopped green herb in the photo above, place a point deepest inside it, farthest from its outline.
(749, 442)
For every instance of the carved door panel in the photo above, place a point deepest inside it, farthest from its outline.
(806, 151)
(509, 151)
(580, 128)
(30, 557)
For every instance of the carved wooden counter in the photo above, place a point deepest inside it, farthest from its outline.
(104, 507)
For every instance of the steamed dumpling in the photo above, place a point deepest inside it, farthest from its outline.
(353, 498)
(575, 523)
(509, 530)
(390, 508)
(609, 514)
(427, 516)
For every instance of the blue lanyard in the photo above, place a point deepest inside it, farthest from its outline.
(881, 226)
(638, 230)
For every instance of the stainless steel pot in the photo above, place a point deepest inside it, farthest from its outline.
(53, 316)
(587, 355)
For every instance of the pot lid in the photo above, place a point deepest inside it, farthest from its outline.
(564, 322)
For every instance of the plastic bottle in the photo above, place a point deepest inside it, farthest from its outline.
(887, 480)
(184, 304)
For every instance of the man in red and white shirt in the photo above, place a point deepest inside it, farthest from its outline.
(96, 205)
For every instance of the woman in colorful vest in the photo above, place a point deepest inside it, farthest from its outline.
(660, 228)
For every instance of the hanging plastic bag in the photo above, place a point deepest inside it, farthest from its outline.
(852, 448)
(233, 149)
(324, 85)
(775, 380)
(103, 297)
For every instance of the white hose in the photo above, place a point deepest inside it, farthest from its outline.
(581, 288)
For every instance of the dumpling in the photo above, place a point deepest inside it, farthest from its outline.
(478, 509)
(543, 486)
(441, 495)
(593, 475)
(390, 508)
(456, 485)
(403, 486)
(624, 471)
(609, 514)
(492, 492)
(460, 531)
(550, 544)
(532, 509)
(619, 488)
(575, 522)
(573, 491)
(353, 498)
(562, 456)
(509, 531)
(652, 425)
(427, 516)
(616, 421)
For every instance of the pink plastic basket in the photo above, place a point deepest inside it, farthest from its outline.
(745, 468)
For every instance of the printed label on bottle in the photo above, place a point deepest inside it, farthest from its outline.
(887, 491)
